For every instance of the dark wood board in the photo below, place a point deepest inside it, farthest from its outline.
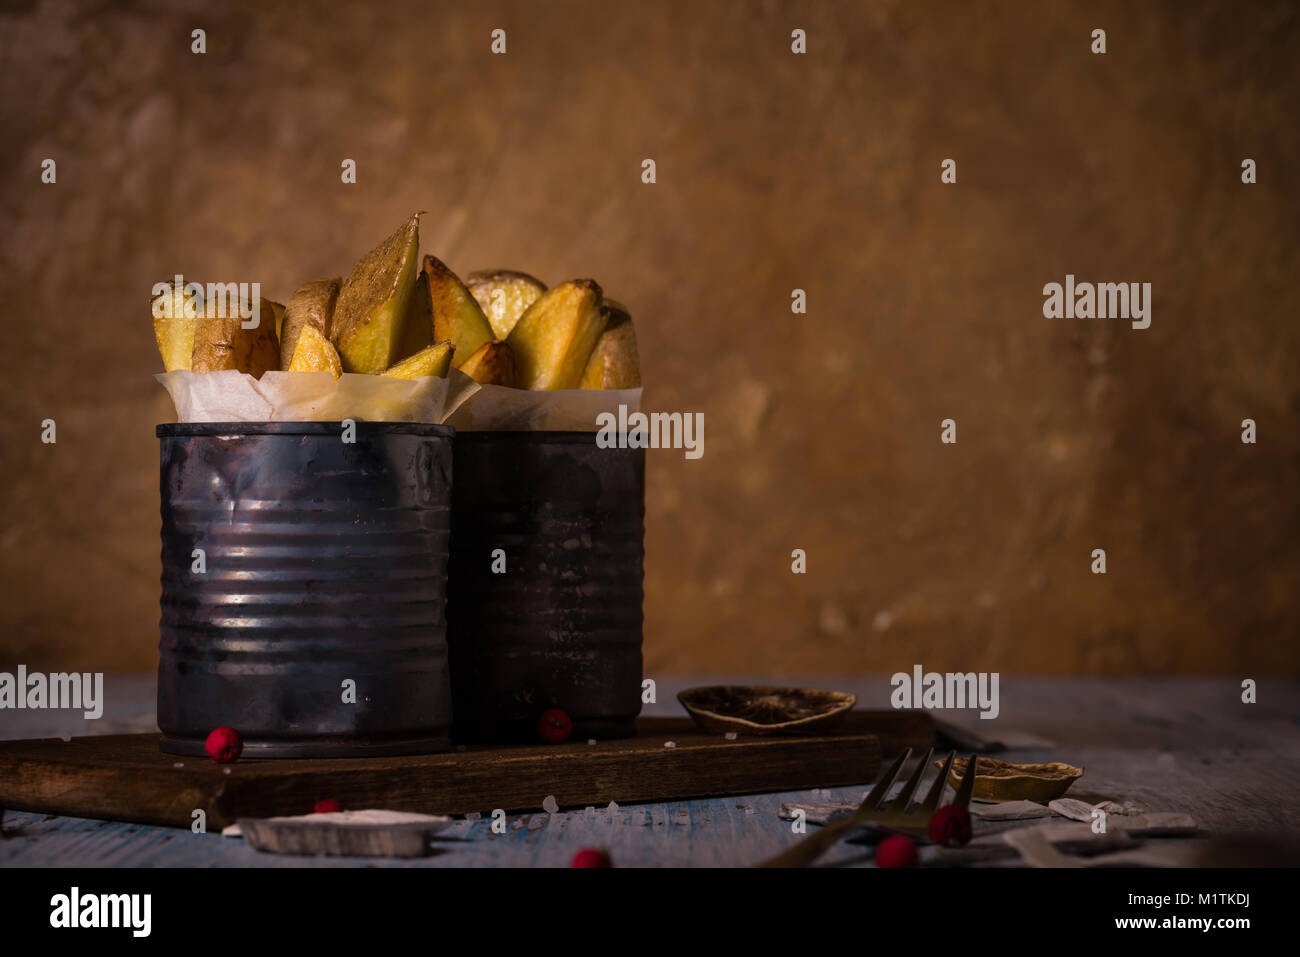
(127, 778)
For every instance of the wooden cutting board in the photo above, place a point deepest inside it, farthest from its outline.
(126, 777)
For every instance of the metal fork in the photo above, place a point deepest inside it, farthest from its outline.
(899, 815)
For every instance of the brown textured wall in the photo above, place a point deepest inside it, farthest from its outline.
(775, 171)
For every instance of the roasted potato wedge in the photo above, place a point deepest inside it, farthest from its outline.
(368, 327)
(221, 343)
(312, 304)
(432, 360)
(419, 320)
(315, 353)
(554, 339)
(175, 314)
(456, 315)
(279, 309)
(492, 364)
(504, 295)
(614, 363)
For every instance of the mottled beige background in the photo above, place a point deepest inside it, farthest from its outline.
(775, 171)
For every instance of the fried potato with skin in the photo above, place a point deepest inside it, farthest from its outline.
(433, 360)
(315, 353)
(614, 363)
(504, 295)
(492, 364)
(312, 304)
(278, 308)
(419, 320)
(222, 342)
(368, 327)
(175, 314)
(456, 314)
(554, 339)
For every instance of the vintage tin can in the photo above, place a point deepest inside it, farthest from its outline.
(304, 587)
(545, 584)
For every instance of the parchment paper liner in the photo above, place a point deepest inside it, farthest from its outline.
(313, 397)
(495, 408)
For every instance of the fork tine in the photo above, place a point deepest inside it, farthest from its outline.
(904, 800)
(936, 789)
(877, 794)
(967, 784)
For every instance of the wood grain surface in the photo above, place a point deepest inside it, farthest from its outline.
(127, 777)
(1186, 745)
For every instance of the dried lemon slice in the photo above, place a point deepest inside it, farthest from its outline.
(1003, 781)
(763, 709)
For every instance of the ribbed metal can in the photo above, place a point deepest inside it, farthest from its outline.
(304, 587)
(545, 584)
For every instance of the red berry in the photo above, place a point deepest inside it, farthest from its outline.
(950, 826)
(327, 806)
(897, 850)
(555, 726)
(224, 745)
(591, 857)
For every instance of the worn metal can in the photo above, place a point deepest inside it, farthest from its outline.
(545, 584)
(304, 587)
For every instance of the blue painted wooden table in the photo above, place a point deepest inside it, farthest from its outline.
(1188, 745)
